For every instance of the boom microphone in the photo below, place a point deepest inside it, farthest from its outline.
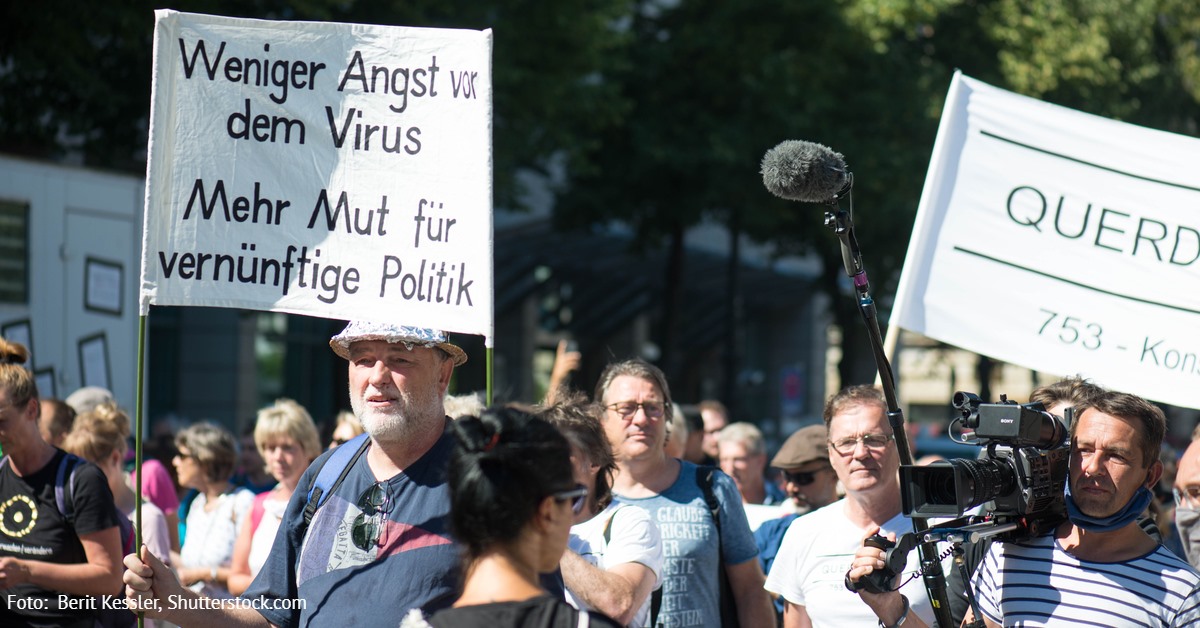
(804, 171)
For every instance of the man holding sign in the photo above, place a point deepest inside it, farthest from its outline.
(379, 545)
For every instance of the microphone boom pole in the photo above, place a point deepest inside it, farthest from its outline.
(842, 223)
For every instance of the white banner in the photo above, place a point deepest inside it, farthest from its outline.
(334, 170)
(1059, 241)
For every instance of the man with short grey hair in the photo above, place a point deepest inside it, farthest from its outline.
(379, 543)
(743, 457)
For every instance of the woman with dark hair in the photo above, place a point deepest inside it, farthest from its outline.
(60, 545)
(206, 459)
(512, 503)
(614, 557)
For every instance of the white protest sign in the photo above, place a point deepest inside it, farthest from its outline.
(1060, 241)
(334, 170)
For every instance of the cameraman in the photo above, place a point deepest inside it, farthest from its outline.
(1099, 567)
(1069, 392)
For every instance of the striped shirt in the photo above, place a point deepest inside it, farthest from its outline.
(1037, 583)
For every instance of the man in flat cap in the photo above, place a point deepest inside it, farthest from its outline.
(811, 483)
(378, 544)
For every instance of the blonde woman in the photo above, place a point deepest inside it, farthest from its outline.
(287, 439)
(346, 427)
(52, 563)
(100, 436)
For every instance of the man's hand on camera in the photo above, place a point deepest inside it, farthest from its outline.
(890, 606)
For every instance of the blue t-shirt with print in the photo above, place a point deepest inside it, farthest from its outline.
(691, 594)
(415, 563)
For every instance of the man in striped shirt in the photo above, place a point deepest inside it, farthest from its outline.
(1099, 567)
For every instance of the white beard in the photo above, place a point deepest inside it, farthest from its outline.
(413, 412)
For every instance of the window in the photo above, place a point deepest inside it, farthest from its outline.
(14, 252)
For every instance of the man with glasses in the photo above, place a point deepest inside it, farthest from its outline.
(379, 545)
(810, 483)
(637, 408)
(819, 547)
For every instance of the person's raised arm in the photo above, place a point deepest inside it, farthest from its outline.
(100, 575)
(564, 363)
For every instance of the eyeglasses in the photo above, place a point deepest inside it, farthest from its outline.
(653, 409)
(875, 442)
(339, 441)
(577, 495)
(375, 504)
(802, 478)
(1188, 498)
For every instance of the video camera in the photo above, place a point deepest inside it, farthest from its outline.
(1019, 478)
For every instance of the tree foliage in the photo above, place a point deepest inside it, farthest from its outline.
(79, 88)
(713, 85)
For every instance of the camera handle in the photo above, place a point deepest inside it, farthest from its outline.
(895, 557)
(842, 223)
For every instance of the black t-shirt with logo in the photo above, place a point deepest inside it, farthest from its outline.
(32, 528)
(544, 611)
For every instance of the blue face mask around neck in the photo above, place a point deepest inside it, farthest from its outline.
(1116, 521)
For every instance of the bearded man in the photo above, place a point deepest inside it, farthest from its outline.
(380, 544)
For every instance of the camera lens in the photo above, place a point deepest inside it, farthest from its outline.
(983, 480)
(952, 487)
(940, 489)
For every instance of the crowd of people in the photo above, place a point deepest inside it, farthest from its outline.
(618, 509)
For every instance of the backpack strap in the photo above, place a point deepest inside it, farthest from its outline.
(608, 526)
(64, 487)
(331, 474)
(128, 537)
(704, 478)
